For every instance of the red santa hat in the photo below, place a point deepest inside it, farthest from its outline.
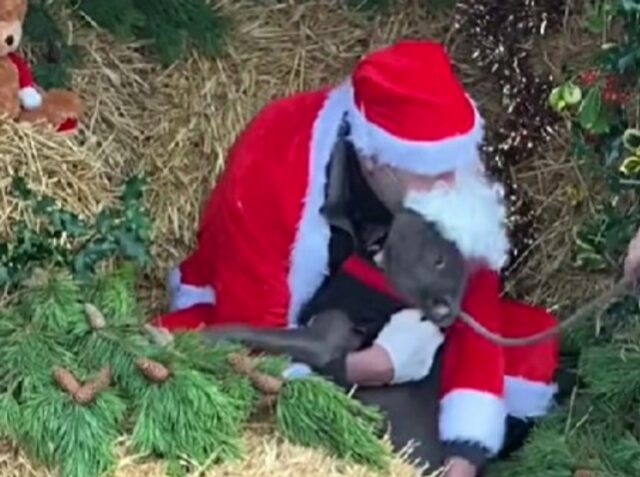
(408, 109)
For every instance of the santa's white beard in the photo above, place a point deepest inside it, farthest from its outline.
(471, 213)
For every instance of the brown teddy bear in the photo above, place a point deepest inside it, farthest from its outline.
(20, 98)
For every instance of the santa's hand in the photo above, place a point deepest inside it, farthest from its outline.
(411, 343)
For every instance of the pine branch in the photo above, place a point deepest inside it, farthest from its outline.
(611, 374)
(314, 412)
(54, 304)
(77, 439)
(114, 295)
(187, 415)
(546, 454)
(190, 348)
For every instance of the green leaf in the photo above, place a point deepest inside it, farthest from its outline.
(132, 248)
(134, 189)
(20, 188)
(591, 108)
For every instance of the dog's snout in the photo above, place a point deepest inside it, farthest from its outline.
(441, 307)
(9, 40)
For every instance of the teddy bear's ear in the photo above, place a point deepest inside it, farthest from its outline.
(13, 10)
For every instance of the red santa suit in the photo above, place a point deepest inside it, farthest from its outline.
(263, 243)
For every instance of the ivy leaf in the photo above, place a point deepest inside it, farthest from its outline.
(73, 225)
(105, 221)
(131, 248)
(44, 206)
(20, 188)
(133, 190)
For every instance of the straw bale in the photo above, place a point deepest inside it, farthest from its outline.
(268, 456)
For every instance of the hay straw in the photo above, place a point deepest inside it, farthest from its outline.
(269, 457)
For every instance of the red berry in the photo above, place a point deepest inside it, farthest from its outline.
(589, 77)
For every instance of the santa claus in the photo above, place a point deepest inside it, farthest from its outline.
(316, 177)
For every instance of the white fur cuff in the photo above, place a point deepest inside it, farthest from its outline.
(525, 398)
(473, 416)
(30, 98)
(183, 296)
(297, 371)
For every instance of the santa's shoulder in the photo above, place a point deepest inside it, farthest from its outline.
(292, 112)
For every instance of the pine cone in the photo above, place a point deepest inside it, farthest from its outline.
(103, 379)
(241, 363)
(266, 383)
(66, 380)
(87, 393)
(94, 316)
(152, 370)
(159, 336)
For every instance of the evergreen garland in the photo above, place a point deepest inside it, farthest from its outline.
(79, 368)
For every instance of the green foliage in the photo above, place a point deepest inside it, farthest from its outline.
(77, 439)
(65, 239)
(52, 56)
(174, 27)
(191, 410)
(186, 415)
(598, 428)
(347, 428)
(213, 360)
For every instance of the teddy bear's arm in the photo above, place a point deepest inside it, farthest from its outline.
(29, 96)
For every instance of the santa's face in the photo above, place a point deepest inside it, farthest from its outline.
(391, 185)
(470, 211)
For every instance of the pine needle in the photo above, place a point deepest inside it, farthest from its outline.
(212, 360)
(187, 416)
(98, 349)
(114, 294)
(611, 374)
(78, 439)
(316, 413)
(54, 305)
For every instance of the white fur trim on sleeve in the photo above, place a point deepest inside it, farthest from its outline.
(525, 398)
(30, 98)
(183, 296)
(423, 157)
(475, 417)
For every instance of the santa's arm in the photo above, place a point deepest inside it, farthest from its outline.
(29, 96)
(473, 412)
